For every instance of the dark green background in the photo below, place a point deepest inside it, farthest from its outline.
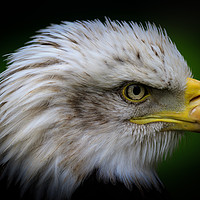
(180, 173)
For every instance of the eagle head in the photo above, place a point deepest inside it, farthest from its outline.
(113, 97)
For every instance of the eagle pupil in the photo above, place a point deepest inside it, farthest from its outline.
(136, 90)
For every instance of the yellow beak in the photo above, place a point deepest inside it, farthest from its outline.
(187, 119)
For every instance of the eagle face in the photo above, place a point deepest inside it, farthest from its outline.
(87, 96)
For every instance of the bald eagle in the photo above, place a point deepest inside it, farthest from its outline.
(87, 96)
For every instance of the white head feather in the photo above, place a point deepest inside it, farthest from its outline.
(61, 112)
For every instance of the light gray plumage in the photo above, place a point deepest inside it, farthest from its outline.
(62, 113)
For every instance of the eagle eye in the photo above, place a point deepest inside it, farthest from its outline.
(135, 92)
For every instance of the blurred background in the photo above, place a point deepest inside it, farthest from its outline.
(180, 173)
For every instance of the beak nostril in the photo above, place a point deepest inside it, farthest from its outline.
(195, 99)
(195, 113)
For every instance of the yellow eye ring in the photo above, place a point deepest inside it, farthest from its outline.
(135, 92)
